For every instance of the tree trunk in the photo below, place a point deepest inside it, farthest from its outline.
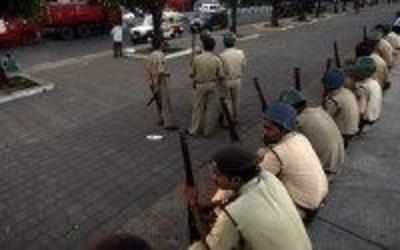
(3, 78)
(302, 10)
(157, 22)
(275, 14)
(234, 5)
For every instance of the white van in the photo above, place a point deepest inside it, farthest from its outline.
(172, 26)
(211, 8)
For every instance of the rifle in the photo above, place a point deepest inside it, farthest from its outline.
(337, 56)
(232, 131)
(194, 233)
(328, 65)
(264, 104)
(156, 91)
(365, 33)
(297, 79)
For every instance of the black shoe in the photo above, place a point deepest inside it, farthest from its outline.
(189, 133)
(172, 127)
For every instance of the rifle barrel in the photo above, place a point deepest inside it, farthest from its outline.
(264, 104)
(297, 78)
(337, 56)
(328, 65)
(194, 233)
(232, 131)
(365, 33)
(186, 160)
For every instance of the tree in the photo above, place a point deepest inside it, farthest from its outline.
(234, 5)
(154, 7)
(3, 77)
(28, 9)
(275, 13)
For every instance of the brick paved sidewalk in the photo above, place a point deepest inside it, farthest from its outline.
(362, 206)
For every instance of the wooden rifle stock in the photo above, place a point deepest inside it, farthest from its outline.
(194, 233)
(264, 104)
(337, 56)
(297, 79)
(232, 130)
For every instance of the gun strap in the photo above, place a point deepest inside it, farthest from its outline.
(273, 151)
(236, 225)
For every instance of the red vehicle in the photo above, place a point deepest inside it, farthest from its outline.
(66, 20)
(18, 31)
(78, 19)
(180, 5)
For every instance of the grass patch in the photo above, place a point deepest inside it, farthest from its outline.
(17, 83)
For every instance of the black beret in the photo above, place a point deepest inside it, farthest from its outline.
(234, 161)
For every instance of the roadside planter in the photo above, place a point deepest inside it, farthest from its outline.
(21, 85)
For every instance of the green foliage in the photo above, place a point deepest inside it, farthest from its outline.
(24, 8)
(31, 8)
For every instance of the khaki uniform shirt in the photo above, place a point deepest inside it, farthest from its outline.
(382, 70)
(370, 97)
(342, 105)
(234, 63)
(394, 40)
(154, 66)
(206, 67)
(320, 129)
(294, 162)
(266, 217)
(385, 50)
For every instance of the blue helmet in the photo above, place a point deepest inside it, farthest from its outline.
(292, 97)
(333, 79)
(282, 114)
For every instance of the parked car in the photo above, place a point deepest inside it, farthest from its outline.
(172, 26)
(18, 31)
(209, 21)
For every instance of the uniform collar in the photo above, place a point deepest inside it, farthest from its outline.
(249, 185)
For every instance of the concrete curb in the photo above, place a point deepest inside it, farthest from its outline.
(167, 57)
(249, 37)
(43, 87)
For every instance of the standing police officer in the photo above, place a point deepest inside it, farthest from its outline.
(234, 63)
(207, 74)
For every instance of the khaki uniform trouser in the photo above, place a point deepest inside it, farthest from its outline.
(233, 96)
(206, 109)
(166, 113)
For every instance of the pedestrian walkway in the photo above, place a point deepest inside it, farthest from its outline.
(361, 209)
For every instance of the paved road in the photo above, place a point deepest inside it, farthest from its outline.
(51, 50)
(56, 50)
(75, 161)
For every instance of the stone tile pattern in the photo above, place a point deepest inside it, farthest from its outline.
(75, 162)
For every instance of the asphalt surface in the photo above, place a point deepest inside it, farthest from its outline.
(75, 161)
(53, 50)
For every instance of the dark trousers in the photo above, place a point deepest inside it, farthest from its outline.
(117, 48)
